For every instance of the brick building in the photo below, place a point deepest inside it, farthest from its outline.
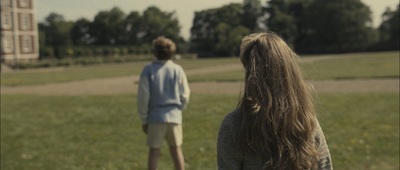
(19, 33)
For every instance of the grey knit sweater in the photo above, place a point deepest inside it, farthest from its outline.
(229, 156)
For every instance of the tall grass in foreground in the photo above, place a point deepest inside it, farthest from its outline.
(103, 132)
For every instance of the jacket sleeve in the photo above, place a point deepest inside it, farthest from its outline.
(184, 90)
(325, 161)
(143, 97)
(228, 155)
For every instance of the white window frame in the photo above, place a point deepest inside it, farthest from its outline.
(6, 20)
(6, 3)
(27, 44)
(7, 44)
(25, 21)
(23, 3)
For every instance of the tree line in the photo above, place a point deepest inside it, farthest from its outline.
(309, 26)
(110, 33)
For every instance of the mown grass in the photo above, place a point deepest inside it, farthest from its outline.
(353, 66)
(98, 132)
(207, 62)
(362, 130)
(225, 76)
(54, 75)
(343, 66)
(103, 132)
(74, 73)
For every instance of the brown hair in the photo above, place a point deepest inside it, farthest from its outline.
(278, 117)
(163, 48)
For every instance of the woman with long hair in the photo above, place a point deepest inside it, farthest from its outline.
(274, 125)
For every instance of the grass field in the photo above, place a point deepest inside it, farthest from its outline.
(103, 131)
(344, 66)
(52, 75)
(352, 66)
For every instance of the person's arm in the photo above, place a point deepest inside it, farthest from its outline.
(184, 90)
(228, 155)
(143, 97)
(325, 161)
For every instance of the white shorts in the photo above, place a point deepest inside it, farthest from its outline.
(156, 133)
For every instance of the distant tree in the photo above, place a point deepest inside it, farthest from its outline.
(153, 23)
(54, 33)
(337, 26)
(111, 27)
(230, 39)
(280, 21)
(107, 27)
(212, 30)
(157, 22)
(42, 35)
(286, 18)
(133, 28)
(43, 48)
(56, 30)
(222, 34)
(389, 29)
(202, 32)
(80, 32)
(54, 17)
(230, 14)
(252, 13)
(384, 28)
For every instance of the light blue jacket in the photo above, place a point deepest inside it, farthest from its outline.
(163, 93)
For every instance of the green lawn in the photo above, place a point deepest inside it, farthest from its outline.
(54, 75)
(351, 66)
(343, 66)
(42, 76)
(103, 132)
(362, 130)
(207, 62)
(236, 75)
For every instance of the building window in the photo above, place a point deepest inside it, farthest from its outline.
(27, 44)
(6, 20)
(7, 44)
(25, 22)
(5, 3)
(24, 3)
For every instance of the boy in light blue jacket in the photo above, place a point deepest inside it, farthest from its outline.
(162, 95)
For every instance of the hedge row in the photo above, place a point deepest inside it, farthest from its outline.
(92, 51)
(90, 60)
(69, 61)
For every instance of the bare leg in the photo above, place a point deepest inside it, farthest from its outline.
(154, 155)
(177, 156)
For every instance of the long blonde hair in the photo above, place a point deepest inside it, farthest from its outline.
(278, 117)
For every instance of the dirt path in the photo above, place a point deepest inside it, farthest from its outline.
(123, 85)
(326, 86)
(128, 84)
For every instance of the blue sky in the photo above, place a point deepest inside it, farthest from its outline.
(75, 9)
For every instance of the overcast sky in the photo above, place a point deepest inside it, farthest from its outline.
(75, 9)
